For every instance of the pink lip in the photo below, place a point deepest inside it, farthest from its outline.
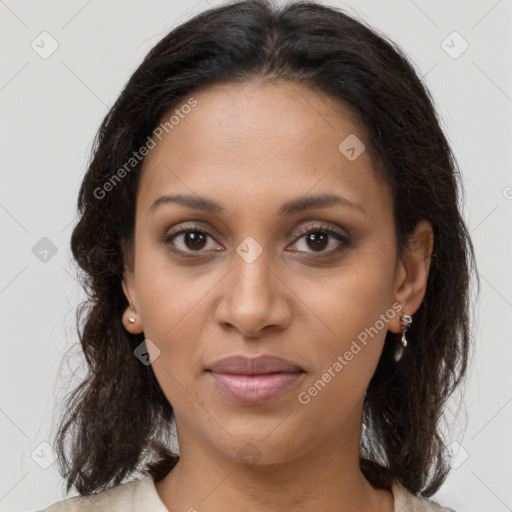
(258, 365)
(254, 389)
(251, 381)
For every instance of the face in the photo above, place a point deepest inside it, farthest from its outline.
(270, 269)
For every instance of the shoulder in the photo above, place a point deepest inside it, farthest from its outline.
(405, 501)
(116, 499)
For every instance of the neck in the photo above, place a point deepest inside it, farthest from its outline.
(325, 478)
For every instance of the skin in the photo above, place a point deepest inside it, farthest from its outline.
(251, 147)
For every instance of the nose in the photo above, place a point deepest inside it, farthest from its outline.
(254, 298)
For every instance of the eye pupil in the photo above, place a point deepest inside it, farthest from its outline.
(196, 238)
(319, 239)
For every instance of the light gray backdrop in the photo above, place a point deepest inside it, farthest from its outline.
(63, 65)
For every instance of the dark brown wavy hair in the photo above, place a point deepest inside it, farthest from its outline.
(117, 420)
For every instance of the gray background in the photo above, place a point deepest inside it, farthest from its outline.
(50, 110)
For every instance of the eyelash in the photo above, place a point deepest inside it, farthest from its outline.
(342, 238)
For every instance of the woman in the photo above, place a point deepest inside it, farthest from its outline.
(275, 258)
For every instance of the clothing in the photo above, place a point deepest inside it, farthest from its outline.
(140, 496)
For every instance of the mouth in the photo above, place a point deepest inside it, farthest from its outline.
(251, 381)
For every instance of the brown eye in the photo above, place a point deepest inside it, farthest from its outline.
(194, 240)
(318, 238)
(189, 240)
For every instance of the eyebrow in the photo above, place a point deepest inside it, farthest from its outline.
(289, 208)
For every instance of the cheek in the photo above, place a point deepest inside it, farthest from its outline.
(169, 297)
(173, 321)
(345, 364)
(173, 317)
(349, 299)
(174, 310)
(352, 310)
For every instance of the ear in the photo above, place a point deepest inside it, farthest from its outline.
(128, 285)
(412, 271)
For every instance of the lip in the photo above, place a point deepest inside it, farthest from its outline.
(262, 364)
(251, 381)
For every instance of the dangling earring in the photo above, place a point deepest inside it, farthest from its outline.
(405, 321)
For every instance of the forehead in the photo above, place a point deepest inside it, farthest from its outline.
(265, 139)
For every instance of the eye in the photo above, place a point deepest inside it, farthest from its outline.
(189, 240)
(318, 238)
(192, 239)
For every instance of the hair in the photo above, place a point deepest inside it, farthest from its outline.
(118, 420)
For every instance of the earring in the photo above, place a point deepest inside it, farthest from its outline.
(405, 321)
(127, 317)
